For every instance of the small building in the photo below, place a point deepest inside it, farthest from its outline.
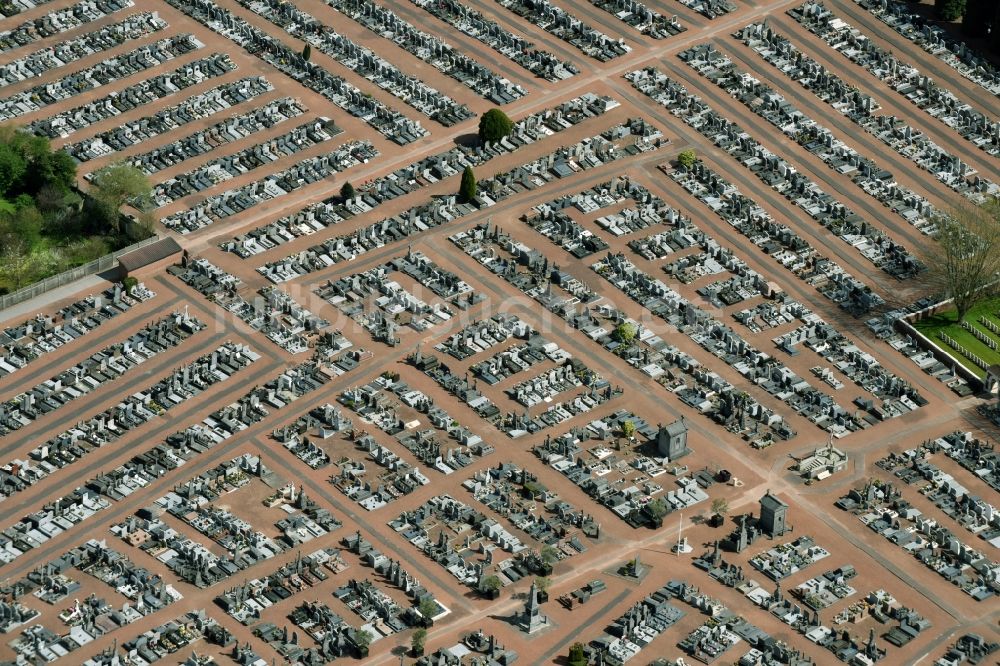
(824, 462)
(773, 514)
(671, 440)
(149, 259)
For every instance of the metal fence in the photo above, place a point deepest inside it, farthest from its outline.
(98, 265)
(905, 325)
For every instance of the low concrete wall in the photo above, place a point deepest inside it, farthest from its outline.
(904, 326)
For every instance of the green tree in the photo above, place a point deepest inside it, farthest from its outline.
(494, 125)
(624, 333)
(577, 657)
(307, 52)
(363, 639)
(146, 222)
(720, 506)
(117, 184)
(45, 166)
(656, 509)
(628, 429)
(533, 489)
(58, 207)
(549, 554)
(12, 168)
(28, 163)
(347, 191)
(687, 158)
(418, 640)
(490, 583)
(963, 259)
(26, 223)
(62, 169)
(467, 189)
(949, 10)
(16, 258)
(428, 608)
(543, 583)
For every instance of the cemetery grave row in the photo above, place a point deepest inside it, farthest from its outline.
(383, 119)
(775, 239)
(320, 423)
(710, 8)
(38, 527)
(191, 561)
(60, 21)
(946, 491)
(516, 495)
(14, 8)
(937, 41)
(882, 508)
(786, 559)
(108, 71)
(25, 342)
(426, 445)
(652, 355)
(645, 20)
(935, 100)
(196, 107)
(100, 368)
(204, 141)
(382, 305)
(226, 167)
(386, 403)
(35, 64)
(163, 641)
(557, 21)
(480, 27)
(411, 90)
(562, 379)
(332, 635)
(817, 594)
(422, 173)
(637, 627)
(429, 528)
(624, 480)
(398, 479)
(766, 315)
(564, 231)
(247, 601)
(860, 109)
(275, 313)
(720, 340)
(872, 242)
(898, 396)
(480, 336)
(306, 172)
(146, 591)
(514, 360)
(134, 96)
(629, 138)
(176, 450)
(70, 446)
(431, 50)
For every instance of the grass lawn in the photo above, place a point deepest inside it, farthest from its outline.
(947, 321)
(51, 256)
